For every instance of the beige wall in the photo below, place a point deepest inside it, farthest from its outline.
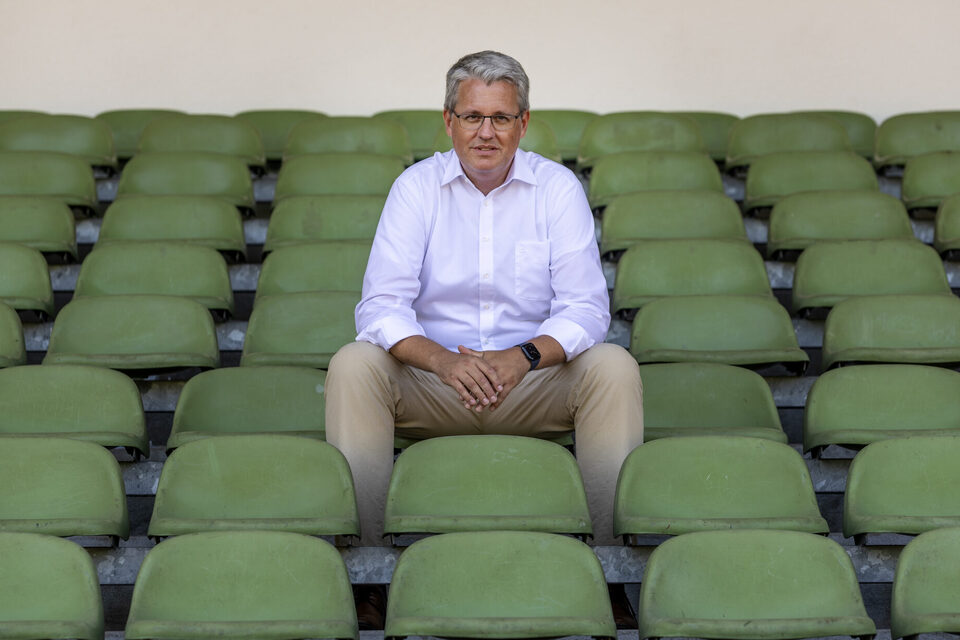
(356, 57)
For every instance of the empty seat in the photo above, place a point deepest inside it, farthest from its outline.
(829, 272)
(568, 125)
(275, 125)
(25, 279)
(128, 124)
(337, 174)
(908, 329)
(488, 584)
(621, 173)
(12, 114)
(800, 220)
(313, 218)
(349, 135)
(12, 349)
(539, 138)
(929, 179)
(134, 332)
(703, 398)
(925, 595)
(766, 133)
(903, 485)
(188, 174)
(49, 589)
(264, 584)
(44, 224)
(857, 405)
(715, 130)
(315, 266)
(86, 138)
(41, 173)
(861, 129)
(303, 329)
(703, 483)
(903, 136)
(946, 227)
(751, 584)
(421, 125)
(244, 400)
(204, 133)
(637, 131)
(61, 487)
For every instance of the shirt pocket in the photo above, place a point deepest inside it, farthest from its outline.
(532, 271)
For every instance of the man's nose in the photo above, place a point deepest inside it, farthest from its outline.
(486, 129)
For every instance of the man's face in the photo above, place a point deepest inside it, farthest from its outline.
(486, 153)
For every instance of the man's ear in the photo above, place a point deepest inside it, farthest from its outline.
(524, 121)
(448, 122)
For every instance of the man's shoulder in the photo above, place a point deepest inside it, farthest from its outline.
(546, 170)
(430, 170)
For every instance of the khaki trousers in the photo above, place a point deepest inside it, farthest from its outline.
(370, 394)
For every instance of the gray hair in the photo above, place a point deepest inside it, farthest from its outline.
(489, 66)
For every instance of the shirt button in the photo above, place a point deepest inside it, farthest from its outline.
(485, 239)
(486, 276)
(486, 306)
(486, 203)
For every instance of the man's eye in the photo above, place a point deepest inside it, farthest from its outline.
(473, 119)
(501, 119)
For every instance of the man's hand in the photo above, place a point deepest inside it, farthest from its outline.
(510, 365)
(475, 380)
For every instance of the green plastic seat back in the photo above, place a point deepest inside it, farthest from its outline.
(315, 266)
(255, 482)
(925, 596)
(490, 584)
(568, 125)
(421, 126)
(946, 226)
(541, 139)
(907, 329)
(337, 174)
(134, 332)
(205, 221)
(637, 131)
(486, 483)
(127, 125)
(704, 483)
(275, 125)
(703, 398)
(343, 134)
(183, 173)
(48, 589)
(312, 218)
(12, 349)
(912, 134)
(743, 330)
(61, 487)
(206, 133)
(43, 223)
(621, 173)
(441, 141)
(25, 279)
(930, 178)
(903, 485)
(157, 268)
(829, 272)
(714, 129)
(303, 329)
(751, 584)
(763, 134)
(266, 584)
(652, 269)
(800, 220)
(86, 138)
(244, 400)
(778, 175)
(42, 173)
(861, 129)
(13, 114)
(858, 405)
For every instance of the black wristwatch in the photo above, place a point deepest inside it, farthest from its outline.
(530, 352)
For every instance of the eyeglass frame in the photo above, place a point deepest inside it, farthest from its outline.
(461, 116)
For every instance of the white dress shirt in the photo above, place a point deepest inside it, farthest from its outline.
(488, 272)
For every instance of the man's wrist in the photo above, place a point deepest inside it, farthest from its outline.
(530, 353)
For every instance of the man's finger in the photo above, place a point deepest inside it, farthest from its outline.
(469, 352)
(484, 387)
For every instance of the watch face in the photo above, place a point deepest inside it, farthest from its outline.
(530, 351)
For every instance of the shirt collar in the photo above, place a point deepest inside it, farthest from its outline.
(519, 170)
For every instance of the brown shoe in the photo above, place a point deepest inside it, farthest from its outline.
(623, 613)
(371, 602)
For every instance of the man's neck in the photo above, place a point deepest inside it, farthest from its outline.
(487, 183)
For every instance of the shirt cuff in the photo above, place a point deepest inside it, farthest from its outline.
(388, 331)
(572, 337)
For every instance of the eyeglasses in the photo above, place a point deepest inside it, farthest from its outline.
(473, 121)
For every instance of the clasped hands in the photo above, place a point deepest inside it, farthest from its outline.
(482, 379)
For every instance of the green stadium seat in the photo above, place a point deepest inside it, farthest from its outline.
(12, 349)
(498, 584)
(703, 483)
(909, 329)
(857, 405)
(255, 584)
(777, 175)
(48, 589)
(134, 332)
(946, 238)
(13, 114)
(181, 173)
(42, 173)
(930, 178)
(760, 135)
(344, 134)
(714, 129)
(637, 131)
(903, 136)
(275, 125)
(86, 138)
(861, 129)
(128, 124)
(356, 174)
(653, 269)
(61, 487)
(751, 585)
(204, 133)
(539, 138)
(315, 266)
(421, 125)
(44, 224)
(925, 592)
(315, 218)
(248, 400)
(703, 398)
(903, 485)
(255, 482)
(25, 280)
(622, 173)
(800, 220)
(528, 485)
(568, 125)
(741, 330)
(829, 272)
(442, 141)
(301, 329)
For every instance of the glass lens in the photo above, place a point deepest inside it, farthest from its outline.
(473, 121)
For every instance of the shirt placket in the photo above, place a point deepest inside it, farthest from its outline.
(487, 290)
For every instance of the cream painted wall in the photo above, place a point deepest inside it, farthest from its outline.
(742, 56)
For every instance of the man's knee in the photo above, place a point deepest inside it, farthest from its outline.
(610, 364)
(358, 360)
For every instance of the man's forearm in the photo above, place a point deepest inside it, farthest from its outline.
(419, 351)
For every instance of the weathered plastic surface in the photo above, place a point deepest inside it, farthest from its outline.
(12, 114)
(42, 223)
(946, 226)
(568, 125)
(45, 173)
(134, 332)
(621, 173)
(313, 218)
(858, 405)
(778, 175)
(71, 401)
(759, 135)
(903, 485)
(255, 482)
(486, 483)
(316, 266)
(48, 589)
(637, 131)
(86, 138)
(25, 279)
(206, 133)
(912, 134)
(62, 487)
(930, 178)
(421, 126)
(702, 398)
(274, 126)
(248, 400)
(753, 585)
(703, 483)
(337, 174)
(714, 129)
(861, 129)
(925, 596)
(12, 349)
(499, 584)
(128, 124)
(182, 173)
(242, 584)
(349, 134)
